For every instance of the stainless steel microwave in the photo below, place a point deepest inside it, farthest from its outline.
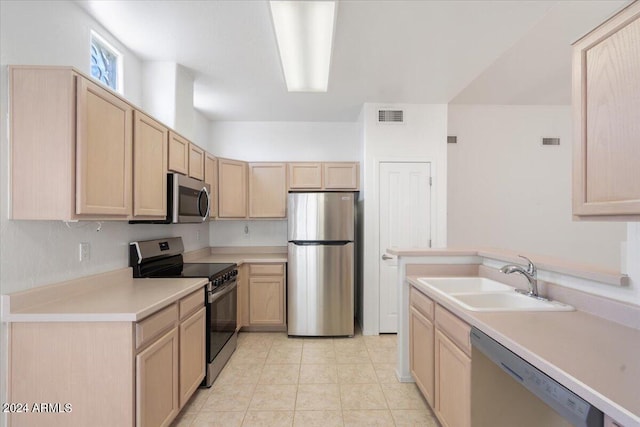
(187, 201)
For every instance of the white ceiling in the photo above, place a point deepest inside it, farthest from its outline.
(488, 52)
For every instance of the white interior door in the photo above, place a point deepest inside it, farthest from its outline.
(405, 222)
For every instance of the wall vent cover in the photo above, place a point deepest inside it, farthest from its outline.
(452, 140)
(390, 116)
(550, 141)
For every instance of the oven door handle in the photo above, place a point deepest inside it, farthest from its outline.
(214, 296)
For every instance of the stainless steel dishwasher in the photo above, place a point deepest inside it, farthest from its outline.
(508, 391)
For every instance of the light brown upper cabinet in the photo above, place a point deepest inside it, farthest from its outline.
(178, 153)
(232, 189)
(196, 162)
(211, 178)
(303, 176)
(71, 147)
(340, 176)
(606, 109)
(150, 140)
(267, 190)
(324, 176)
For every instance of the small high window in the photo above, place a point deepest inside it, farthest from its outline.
(106, 63)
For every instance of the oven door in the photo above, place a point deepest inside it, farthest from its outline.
(222, 309)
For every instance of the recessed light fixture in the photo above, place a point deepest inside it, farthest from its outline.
(304, 31)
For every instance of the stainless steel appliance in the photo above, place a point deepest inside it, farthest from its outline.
(187, 201)
(163, 258)
(321, 269)
(508, 391)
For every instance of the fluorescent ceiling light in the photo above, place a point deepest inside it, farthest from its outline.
(304, 31)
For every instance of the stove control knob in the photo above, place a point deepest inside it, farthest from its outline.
(217, 282)
(234, 273)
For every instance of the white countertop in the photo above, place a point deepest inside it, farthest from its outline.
(245, 258)
(108, 297)
(595, 358)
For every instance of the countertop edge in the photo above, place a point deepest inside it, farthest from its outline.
(603, 403)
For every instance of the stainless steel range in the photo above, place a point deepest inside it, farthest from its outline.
(163, 258)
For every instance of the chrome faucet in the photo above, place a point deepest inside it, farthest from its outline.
(531, 273)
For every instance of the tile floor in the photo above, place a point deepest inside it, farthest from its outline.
(272, 380)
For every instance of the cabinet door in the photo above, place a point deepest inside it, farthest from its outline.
(196, 162)
(157, 382)
(232, 189)
(211, 178)
(421, 352)
(150, 140)
(266, 301)
(267, 190)
(178, 153)
(606, 65)
(452, 383)
(340, 176)
(103, 150)
(305, 176)
(192, 354)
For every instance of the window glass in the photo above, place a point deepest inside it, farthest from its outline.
(105, 63)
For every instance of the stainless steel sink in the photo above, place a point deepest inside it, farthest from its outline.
(482, 294)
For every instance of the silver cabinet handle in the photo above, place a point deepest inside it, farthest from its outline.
(386, 257)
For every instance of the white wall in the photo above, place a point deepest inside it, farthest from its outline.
(276, 141)
(508, 191)
(35, 253)
(421, 138)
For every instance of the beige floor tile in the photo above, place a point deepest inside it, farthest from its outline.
(403, 396)
(184, 420)
(258, 340)
(318, 397)
(273, 398)
(383, 340)
(219, 419)
(280, 374)
(247, 355)
(317, 419)
(360, 355)
(240, 373)
(284, 355)
(371, 418)
(196, 402)
(386, 373)
(319, 343)
(318, 374)
(362, 396)
(414, 418)
(362, 373)
(318, 356)
(383, 355)
(347, 344)
(290, 344)
(268, 419)
(229, 397)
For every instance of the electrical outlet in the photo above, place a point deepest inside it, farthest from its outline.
(198, 235)
(246, 231)
(85, 251)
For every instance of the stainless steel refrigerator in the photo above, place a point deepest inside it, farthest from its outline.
(321, 272)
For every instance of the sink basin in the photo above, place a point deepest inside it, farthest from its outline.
(457, 285)
(507, 301)
(482, 294)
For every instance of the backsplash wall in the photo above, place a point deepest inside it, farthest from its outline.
(248, 233)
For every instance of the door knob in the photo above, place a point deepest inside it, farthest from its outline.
(386, 257)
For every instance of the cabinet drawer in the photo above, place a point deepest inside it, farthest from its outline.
(268, 269)
(457, 330)
(151, 327)
(191, 303)
(421, 302)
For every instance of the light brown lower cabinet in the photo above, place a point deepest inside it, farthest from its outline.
(157, 382)
(453, 383)
(264, 301)
(421, 353)
(192, 354)
(110, 373)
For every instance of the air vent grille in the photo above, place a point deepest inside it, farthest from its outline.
(452, 140)
(390, 116)
(550, 141)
